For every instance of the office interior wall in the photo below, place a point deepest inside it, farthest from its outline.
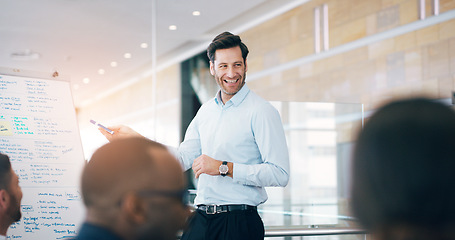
(421, 62)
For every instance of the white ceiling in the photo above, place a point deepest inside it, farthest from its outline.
(79, 37)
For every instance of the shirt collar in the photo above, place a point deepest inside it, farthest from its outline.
(236, 99)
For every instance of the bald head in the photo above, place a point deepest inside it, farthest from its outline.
(134, 187)
(128, 165)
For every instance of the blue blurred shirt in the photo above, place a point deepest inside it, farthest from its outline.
(89, 231)
(246, 131)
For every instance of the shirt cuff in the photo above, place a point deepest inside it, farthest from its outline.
(240, 173)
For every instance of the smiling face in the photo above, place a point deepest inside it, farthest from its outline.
(229, 70)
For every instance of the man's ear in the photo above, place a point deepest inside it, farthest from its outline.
(212, 68)
(133, 208)
(4, 199)
(246, 66)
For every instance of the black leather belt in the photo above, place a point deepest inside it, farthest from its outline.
(214, 209)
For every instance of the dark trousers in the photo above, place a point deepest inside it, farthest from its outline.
(234, 225)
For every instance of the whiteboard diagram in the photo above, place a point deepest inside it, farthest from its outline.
(39, 132)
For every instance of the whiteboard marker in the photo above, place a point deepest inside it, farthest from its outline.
(101, 126)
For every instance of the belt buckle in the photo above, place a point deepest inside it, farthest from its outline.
(211, 209)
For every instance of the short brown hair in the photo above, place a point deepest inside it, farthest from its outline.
(226, 40)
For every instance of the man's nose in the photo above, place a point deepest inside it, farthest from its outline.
(231, 72)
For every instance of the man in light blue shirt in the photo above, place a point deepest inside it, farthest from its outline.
(235, 145)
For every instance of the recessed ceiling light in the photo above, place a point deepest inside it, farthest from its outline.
(101, 71)
(172, 27)
(25, 55)
(196, 13)
(144, 45)
(86, 80)
(127, 55)
(113, 64)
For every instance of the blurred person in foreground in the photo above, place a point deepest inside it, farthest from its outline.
(403, 172)
(133, 189)
(10, 196)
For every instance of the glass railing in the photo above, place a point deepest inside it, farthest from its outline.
(314, 218)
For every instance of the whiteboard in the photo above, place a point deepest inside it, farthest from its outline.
(39, 132)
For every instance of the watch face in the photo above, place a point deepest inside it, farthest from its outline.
(223, 169)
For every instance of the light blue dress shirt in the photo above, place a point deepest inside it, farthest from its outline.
(246, 131)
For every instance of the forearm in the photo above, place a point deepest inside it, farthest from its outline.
(261, 175)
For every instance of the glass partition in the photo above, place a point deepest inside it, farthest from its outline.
(320, 138)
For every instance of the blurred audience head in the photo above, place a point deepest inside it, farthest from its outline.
(135, 188)
(403, 171)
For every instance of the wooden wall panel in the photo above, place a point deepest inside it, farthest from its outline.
(427, 35)
(446, 5)
(409, 11)
(447, 30)
(381, 48)
(405, 41)
(388, 18)
(452, 57)
(415, 63)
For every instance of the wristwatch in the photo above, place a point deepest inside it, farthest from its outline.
(224, 169)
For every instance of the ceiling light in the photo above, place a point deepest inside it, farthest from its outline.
(196, 13)
(86, 80)
(172, 27)
(127, 55)
(144, 45)
(113, 64)
(101, 71)
(25, 55)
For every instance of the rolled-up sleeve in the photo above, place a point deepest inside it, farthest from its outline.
(191, 147)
